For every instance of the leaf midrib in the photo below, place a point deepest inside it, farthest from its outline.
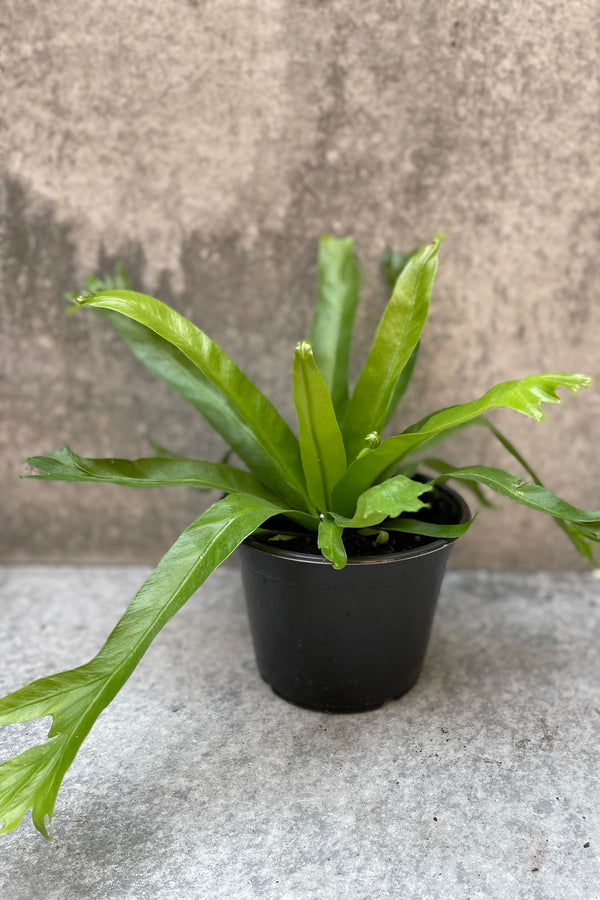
(264, 434)
(133, 657)
(188, 331)
(315, 435)
(408, 319)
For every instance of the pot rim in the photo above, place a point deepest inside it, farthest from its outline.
(252, 543)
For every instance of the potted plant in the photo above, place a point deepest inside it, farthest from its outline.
(336, 490)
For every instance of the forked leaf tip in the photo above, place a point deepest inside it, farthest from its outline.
(582, 381)
(41, 825)
(83, 298)
(304, 350)
(371, 442)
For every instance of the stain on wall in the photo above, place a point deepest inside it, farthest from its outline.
(207, 145)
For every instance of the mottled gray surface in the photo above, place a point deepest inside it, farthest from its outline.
(198, 782)
(209, 143)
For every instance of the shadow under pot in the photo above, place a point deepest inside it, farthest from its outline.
(344, 640)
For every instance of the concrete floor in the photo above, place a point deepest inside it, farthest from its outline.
(198, 782)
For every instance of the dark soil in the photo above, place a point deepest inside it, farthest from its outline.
(443, 509)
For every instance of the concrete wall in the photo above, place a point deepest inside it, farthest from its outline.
(208, 144)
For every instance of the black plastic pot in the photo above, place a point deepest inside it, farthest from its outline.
(347, 640)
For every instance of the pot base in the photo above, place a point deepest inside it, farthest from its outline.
(337, 710)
